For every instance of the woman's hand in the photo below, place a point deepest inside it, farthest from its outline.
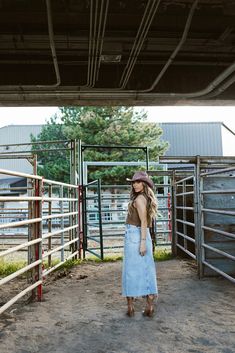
(142, 247)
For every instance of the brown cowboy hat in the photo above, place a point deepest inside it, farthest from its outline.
(142, 176)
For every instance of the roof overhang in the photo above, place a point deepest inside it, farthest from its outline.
(126, 52)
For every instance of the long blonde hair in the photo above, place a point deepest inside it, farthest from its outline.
(151, 201)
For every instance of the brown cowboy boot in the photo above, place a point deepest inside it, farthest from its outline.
(149, 309)
(130, 307)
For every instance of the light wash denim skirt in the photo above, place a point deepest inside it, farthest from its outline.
(138, 272)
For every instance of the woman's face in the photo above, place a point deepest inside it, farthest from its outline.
(138, 186)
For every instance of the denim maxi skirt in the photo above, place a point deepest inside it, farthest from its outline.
(138, 272)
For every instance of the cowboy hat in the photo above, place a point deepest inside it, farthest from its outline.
(142, 176)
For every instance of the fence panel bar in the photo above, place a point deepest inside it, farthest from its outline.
(36, 213)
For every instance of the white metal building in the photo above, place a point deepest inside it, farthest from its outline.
(14, 134)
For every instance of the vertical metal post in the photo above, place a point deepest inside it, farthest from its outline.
(197, 217)
(147, 157)
(49, 223)
(30, 226)
(201, 270)
(83, 203)
(73, 219)
(80, 228)
(100, 220)
(61, 222)
(77, 220)
(73, 163)
(79, 161)
(81, 164)
(174, 216)
(35, 164)
(184, 213)
(84, 220)
(37, 233)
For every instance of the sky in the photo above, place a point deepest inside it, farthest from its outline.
(39, 115)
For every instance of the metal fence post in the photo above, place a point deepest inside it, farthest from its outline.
(197, 217)
(100, 220)
(201, 270)
(49, 223)
(61, 205)
(37, 233)
(80, 228)
(84, 220)
(174, 216)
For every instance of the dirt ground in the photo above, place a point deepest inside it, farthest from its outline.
(84, 312)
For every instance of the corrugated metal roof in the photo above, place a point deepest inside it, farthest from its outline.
(191, 139)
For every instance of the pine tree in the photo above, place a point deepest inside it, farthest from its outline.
(101, 126)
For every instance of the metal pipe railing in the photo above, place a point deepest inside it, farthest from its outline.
(40, 208)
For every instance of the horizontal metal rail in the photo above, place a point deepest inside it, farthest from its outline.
(104, 222)
(184, 179)
(51, 234)
(18, 296)
(116, 197)
(93, 238)
(186, 237)
(224, 212)
(105, 210)
(228, 191)
(29, 176)
(231, 257)
(59, 215)
(184, 208)
(48, 253)
(19, 272)
(108, 247)
(185, 193)
(50, 199)
(226, 234)
(19, 247)
(221, 171)
(186, 251)
(20, 223)
(52, 182)
(20, 198)
(163, 231)
(94, 253)
(46, 272)
(185, 222)
(37, 143)
(222, 273)
(94, 197)
(40, 151)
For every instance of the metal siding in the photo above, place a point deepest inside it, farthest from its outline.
(224, 202)
(17, 134)
(193, 139)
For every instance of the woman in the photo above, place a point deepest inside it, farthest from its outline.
(139, 273)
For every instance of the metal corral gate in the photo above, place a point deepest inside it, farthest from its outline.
(204, 213)
(39, 228)
(104, 214)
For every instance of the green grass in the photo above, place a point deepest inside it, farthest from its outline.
(162, 255)
(7, 268)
